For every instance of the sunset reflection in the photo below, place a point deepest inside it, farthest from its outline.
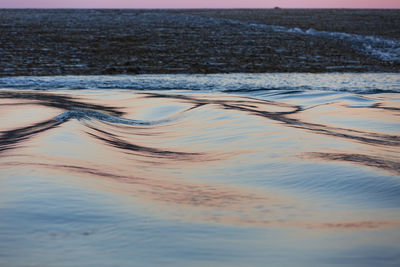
(164, 161)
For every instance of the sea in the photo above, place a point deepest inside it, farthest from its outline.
(272, 169)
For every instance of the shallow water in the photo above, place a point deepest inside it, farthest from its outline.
(194, 170)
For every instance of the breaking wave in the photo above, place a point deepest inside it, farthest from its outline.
(375, 47)
(372, 46)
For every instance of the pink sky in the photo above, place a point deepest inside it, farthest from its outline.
(199, 3)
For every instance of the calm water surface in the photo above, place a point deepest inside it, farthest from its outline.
(200, 170)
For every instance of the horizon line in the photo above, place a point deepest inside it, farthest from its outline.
(188, 8)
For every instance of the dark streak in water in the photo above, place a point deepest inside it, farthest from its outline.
(379, 106)
(389, 165)
(360, 136)
(10, 139)
(237, 206)
(178, 193)
(139, 150)
(58, 101)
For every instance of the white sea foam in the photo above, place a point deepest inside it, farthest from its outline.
(384, 49)
(376, 47)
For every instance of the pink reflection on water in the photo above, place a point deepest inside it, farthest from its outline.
(163, 166)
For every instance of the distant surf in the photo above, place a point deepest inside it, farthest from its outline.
(361, 83)
(372, 46)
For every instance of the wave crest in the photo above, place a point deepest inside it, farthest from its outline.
(90, 114)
